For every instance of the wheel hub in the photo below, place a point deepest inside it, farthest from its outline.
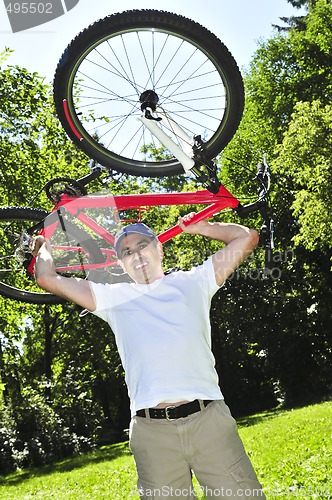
(149, 99)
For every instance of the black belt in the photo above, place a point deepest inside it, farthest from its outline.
(173, 412)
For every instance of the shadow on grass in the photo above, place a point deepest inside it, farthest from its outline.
(249, 420)
(103, 454)
(259, 417)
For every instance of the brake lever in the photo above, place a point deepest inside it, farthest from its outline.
(267, 238)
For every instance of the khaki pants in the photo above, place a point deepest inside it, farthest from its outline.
(206, 442)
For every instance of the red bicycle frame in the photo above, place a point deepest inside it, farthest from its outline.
(76, 205)
(217, 202)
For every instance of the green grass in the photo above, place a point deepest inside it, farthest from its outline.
(291, 452)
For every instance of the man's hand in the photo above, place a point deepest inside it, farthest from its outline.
(36, 243)
(239, 240)
(194, 228)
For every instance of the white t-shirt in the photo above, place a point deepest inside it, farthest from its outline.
(163, 335)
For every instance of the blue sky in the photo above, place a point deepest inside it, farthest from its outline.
(240, 24)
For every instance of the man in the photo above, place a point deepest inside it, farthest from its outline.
(180, 422)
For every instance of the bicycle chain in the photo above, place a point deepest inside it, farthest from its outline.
(66, 186)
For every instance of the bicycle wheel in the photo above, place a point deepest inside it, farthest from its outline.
(72, 248)
(141, 56)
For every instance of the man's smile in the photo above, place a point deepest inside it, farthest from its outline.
(140, 265)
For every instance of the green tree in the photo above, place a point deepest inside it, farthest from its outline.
(39, 345)
(287, 116)
(305, 156)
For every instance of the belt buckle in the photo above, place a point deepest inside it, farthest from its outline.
(167, 410)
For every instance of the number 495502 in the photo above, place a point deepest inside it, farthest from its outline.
(29, 8)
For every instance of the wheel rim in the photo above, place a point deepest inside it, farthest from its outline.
(104, 83)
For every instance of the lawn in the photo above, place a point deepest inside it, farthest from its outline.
(291, 451)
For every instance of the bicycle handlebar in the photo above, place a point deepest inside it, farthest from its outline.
(261, 205)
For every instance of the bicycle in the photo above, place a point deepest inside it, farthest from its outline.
(161, 117)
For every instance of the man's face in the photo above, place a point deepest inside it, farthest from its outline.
(141, 258)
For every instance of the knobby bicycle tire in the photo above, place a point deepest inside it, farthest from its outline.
(14, 281)
(205, 97)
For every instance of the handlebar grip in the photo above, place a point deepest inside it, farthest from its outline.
(268, 264)
(269, 268)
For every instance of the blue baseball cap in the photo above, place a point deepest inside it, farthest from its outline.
(136, 228)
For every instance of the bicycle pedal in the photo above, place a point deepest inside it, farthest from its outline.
(28, 267)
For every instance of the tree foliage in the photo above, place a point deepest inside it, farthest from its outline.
(305, 155)
(287, 116)
(61, 377)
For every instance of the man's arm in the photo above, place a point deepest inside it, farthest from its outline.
(73, 289)
(240, 242)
